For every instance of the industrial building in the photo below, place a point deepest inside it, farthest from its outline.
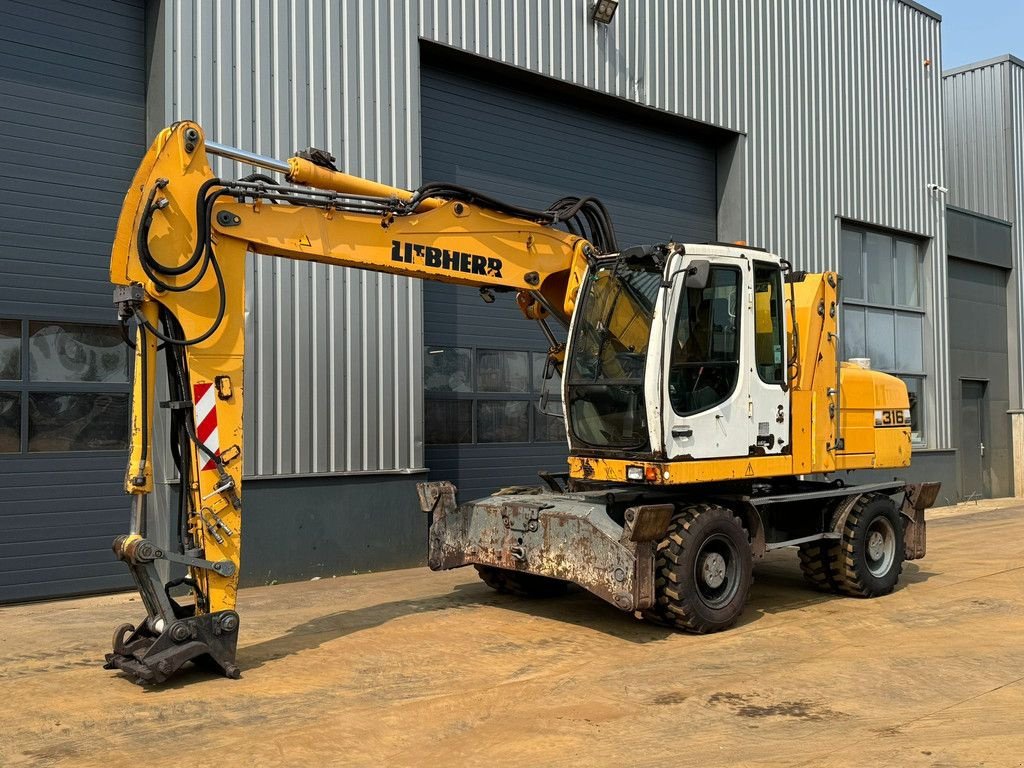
(811, 128)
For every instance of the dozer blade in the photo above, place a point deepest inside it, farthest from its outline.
(566, 536)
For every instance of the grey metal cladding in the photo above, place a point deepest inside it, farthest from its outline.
(985, 156)
(1016, 99)
(806, 82)
(334, 355)
(73, 129)
(979, 238)
(977, 140)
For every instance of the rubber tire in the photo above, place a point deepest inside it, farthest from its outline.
(817, 562)
(677, 601)
(519, 583)
(850, 564)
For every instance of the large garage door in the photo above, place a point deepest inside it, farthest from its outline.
(980, 368)
(72, 129)
(531, 145)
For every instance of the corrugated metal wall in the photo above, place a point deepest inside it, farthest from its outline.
(334, 356)
(984, 116)
(977, 139)
(840, 112)
(1016, 91)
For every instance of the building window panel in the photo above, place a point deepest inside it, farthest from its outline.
(548, 428)
(853, 332)
(448, 369)
(881, 339)
(503, 421)
(501, 370)
(10, 350)
(68, 352)
(915, 391)
(909, 342)
(457, 412)
(878, 268)
(10, 422)
(852, 264)
(448, 422)
(883, 321)
(908, 274)
(77, 421)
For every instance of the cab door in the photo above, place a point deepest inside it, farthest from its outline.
(725, 392)
(704, 396)
(768, 385)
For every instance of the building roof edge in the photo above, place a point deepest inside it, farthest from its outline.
(1006, 58)
(926, 11)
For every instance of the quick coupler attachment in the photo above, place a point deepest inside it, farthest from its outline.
(148, 657)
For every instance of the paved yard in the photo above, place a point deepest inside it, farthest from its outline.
(417, 668)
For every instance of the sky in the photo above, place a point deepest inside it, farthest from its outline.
(973, 30)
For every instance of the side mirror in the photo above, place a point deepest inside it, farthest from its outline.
(549, 367)
(697, 274)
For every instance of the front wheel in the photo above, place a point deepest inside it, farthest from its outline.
(703, 570)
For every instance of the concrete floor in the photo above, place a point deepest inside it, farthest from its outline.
(417, 668)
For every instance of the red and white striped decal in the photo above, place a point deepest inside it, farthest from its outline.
(206, 419)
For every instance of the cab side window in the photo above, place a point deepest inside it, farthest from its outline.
(705, 357)
(768, 326)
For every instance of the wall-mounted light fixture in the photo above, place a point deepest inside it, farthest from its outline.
(603, 11)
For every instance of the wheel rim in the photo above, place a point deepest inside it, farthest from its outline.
(880, 546)
(716, 571)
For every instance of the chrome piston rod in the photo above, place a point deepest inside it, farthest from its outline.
(244, 156)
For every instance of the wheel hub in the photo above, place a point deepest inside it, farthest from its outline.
(713, 570)
(880, 547)
(876, 545)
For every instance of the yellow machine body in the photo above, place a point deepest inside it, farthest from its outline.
(842, 417)
(468, 245)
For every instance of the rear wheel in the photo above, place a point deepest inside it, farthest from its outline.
(703, 570)
(817, 562)
(519, 583)
(870, 557)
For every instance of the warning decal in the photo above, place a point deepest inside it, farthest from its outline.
(206, 420)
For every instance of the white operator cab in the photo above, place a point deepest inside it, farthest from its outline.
(680, 350)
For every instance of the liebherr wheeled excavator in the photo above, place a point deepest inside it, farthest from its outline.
(701, 384)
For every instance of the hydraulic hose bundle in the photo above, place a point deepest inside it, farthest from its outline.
(583, 216)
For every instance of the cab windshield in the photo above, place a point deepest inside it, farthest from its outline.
(609, 352)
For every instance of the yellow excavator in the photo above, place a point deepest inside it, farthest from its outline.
(704, 398)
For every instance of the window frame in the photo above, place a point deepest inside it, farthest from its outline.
(26, 387)
(476, 396)
(895, 310)
(739, 340)
(917, 425)
(779, 333)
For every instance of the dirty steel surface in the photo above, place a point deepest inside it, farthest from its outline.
(416, 668)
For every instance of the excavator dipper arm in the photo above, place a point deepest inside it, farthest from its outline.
(178, 267)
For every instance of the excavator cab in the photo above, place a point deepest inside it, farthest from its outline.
(678, 352)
